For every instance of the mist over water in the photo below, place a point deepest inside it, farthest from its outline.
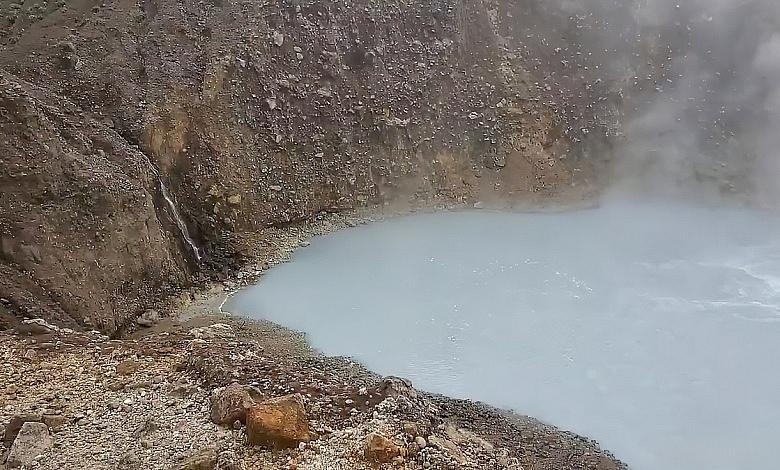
(652, 328)
(697, 85)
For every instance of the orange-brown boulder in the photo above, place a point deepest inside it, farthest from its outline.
(379, 448)
(278, 423)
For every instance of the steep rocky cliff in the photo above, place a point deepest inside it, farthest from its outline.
(257, 114)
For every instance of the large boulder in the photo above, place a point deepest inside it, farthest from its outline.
(381, 449)
(278, 423)
(230, 404)
(33, 440)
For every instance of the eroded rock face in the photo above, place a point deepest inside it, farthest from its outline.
(231, 403)
(82, 240)
(278, 423)
(33, 440)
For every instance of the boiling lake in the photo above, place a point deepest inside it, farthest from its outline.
(654, 329)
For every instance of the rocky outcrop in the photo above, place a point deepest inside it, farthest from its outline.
(394, 387)
(100, 420)
(15, 425)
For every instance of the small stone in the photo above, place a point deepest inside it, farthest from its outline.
(278, 423)
(379, 448)
(33, 440)
(421, 442)
(234, 200)
(129, 461)
(278, 39)
(55, 422)
(115, 385)
(411, 428)
(127, 367)
(205, 459)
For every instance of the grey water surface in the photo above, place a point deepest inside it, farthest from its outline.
(652, 328)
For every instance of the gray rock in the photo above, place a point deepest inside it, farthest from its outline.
(129, 461)
(395, 387)
(33, 440)
(230, 404)
(217, 330)
(278, 39)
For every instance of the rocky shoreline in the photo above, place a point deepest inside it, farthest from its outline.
(150, 402)
(157, 397)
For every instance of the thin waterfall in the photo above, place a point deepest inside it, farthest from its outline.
(185, 233)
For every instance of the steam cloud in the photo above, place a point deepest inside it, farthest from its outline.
(701, 94)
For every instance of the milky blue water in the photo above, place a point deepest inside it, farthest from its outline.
(654, 329)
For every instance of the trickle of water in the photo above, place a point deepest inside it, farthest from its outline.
(185, 233)
(651, 328)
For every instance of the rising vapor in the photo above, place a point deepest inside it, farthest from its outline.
(700, 88)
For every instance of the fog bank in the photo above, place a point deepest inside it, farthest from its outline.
(699, 83)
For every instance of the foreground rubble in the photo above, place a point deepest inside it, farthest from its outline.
(180, 396)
